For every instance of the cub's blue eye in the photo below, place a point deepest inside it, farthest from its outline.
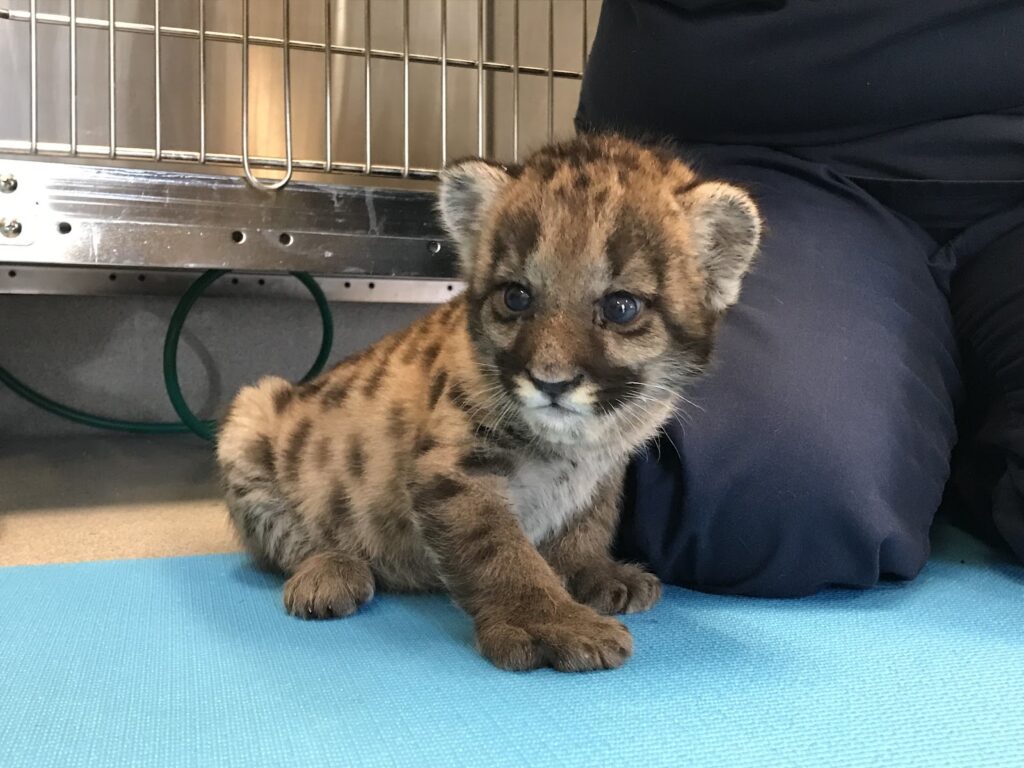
(620, 307)
(517, 298)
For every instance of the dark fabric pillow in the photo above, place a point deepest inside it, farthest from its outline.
(816, 451)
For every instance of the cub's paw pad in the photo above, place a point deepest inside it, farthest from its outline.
(326, 587)
(616, 588)
(578, 641)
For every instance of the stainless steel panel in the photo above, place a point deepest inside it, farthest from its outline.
(89, 281)
(105, 217)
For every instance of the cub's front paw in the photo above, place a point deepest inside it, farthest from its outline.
(327, 586)
(615, 588)
(572, 639)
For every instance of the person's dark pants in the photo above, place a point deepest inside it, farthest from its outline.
(988, 305)
(817, 451)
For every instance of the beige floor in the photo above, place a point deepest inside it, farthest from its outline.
(108, 497)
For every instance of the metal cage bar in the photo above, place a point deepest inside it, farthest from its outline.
(551, 69)
(287, 76)
(328, 121)
(444, 83)
(480, 84)
(34, 68)
(515, 80)
(112, 73)
(73, 78)
(157, 80)
(368, 85)
(202, 81)
(405, 87)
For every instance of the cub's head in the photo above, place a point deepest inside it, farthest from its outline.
(596, 273)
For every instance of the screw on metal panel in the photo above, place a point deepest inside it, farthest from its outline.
(434, 247)
(10, 228)
(8, 183)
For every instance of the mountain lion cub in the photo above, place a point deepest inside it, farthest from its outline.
(482, 450)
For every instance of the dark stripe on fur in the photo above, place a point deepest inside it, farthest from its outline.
(340, 511)
(261, 453)
(312, 388)
(436, 388)
(438, 490)
(356, 459)
(430, 354)
(425, 443)
(483, 462)
(239, 491)
(335, 395)
(281, 399)
(459, 398)
(293, 450)
(323, 453)
(373, 381)
(480, 544)
(397, 425)
(699, 347)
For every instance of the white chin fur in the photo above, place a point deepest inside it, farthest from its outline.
(559, 426)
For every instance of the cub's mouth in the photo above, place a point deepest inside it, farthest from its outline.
(556, 418)
(563, 407)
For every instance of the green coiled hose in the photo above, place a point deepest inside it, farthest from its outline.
(189, 421)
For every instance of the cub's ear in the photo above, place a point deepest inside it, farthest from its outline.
(468, 189)
(727, 228)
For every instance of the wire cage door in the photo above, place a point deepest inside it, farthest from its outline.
(381, 87)
(127, 124)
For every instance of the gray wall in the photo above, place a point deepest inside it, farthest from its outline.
(104, 355)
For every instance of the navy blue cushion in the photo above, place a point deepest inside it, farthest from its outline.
(817, 450)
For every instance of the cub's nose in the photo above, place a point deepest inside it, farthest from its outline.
(555, 389)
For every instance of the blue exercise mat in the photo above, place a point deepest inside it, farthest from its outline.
(192, 662)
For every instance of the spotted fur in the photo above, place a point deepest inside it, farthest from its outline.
(482, 450)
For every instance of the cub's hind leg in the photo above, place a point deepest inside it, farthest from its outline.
(269, 528)
(327, 585)
(322, 583)
(266, 521)
(325, 580)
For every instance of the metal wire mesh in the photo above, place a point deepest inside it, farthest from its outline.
(393, 87)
